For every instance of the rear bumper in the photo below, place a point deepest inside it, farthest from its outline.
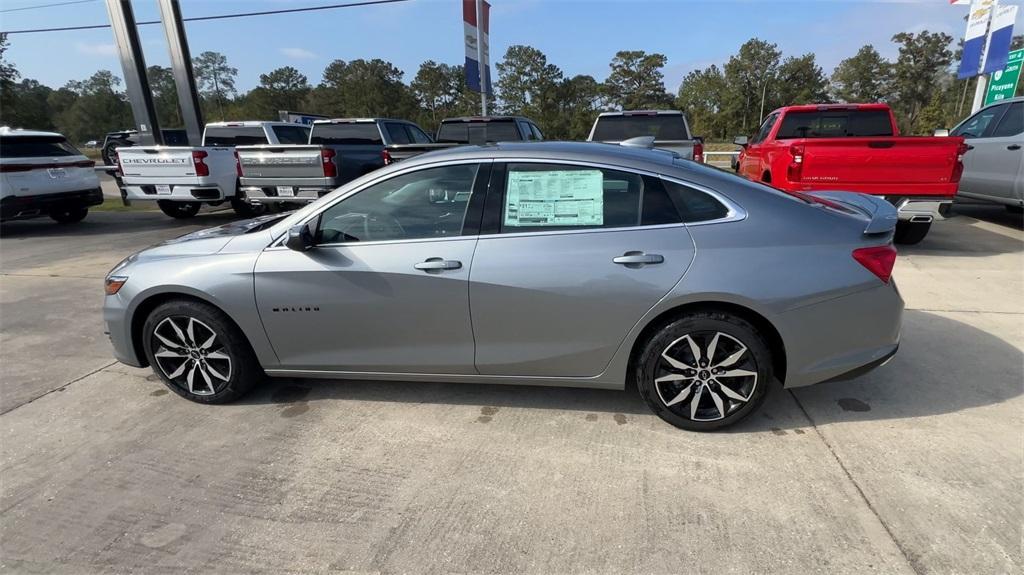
(923, 210)
(23, 207)
(843, 337)
(270, 194)
(179, 193)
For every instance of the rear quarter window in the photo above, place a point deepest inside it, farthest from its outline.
(291, 134)
(346, 134)
(661, 126)
(36, 146)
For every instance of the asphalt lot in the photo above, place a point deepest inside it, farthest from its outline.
(917, 467)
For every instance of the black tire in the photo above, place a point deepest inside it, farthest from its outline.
(109, 153)
(213, 337)
(69, 215)
(179, 210)
(910, 233)
(672, 399)
(766, 177)
(246, 209)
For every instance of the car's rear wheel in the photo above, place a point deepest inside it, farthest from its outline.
(704, 371)
(910, 233)
(69, 215)
(179, 210)
(199, 353)
(247, 209)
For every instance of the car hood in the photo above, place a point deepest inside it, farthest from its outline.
(210, 240)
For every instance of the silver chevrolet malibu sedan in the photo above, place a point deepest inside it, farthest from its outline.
(567, 264)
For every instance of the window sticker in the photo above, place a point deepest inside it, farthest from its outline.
(555, 198)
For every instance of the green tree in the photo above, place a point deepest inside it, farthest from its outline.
(527, 83)
(748, 75)
(32, 108)
(863, 77)
(215, 81)
(8, 76)
(800, 80)
(280, 89)
(364, 88)
(89, 108)
(441, 92)
(579, 100)
(701, 95)
(923, 61)
(165, 96)
(636, 81)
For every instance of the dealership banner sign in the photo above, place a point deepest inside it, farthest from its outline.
(999, 38)
(976, 37)
(477, 44)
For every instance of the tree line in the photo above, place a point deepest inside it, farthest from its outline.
(720, 101)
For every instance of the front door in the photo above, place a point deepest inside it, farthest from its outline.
(385, 288)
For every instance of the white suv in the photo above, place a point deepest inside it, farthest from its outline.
(41, 174)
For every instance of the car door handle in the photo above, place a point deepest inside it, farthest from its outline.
(638, 258)
(1013, 147)
(432, 264)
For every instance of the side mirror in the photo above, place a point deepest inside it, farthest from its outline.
(741, 141)
(941, 132)
(300, 238)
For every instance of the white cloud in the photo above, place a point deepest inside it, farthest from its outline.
(298, 53)
(98, 49)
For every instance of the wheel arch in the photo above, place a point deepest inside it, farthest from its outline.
(773, 338)
(151, 302)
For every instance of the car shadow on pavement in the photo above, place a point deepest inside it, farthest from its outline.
(943, 366)
(965, 236)
(100, 223)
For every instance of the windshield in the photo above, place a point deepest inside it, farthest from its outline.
(661, 126)
(835, 124)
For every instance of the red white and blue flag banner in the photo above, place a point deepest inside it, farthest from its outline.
(477, 36)
(975, 38)
(998, 51)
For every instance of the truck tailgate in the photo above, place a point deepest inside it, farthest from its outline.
(156, 162)
(285, 162)
(870, 161)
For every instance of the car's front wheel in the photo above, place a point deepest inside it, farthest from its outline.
(199, 353)
(704, 371)
(179, 210)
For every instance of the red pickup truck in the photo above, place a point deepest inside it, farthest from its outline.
(857, 148)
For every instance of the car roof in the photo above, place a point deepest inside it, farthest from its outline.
(358, 120)
(641, 113)
(484, 119)
(1006, 100)
(614, 154)
(249, 124)
(7, 132)
(826, 107)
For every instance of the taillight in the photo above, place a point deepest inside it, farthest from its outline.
(16, 167)
(197, 161)
(238, 165)
(796, 163)
(958, 165)
(386, 156)
(117, 162)
(327, 158)
(698, 152)
(878, 260)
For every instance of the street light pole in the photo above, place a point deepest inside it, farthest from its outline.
(764, 90)
(480, 57)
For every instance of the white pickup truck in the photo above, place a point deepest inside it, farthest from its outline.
(180, 178)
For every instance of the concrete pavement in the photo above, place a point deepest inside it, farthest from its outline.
(915, 468)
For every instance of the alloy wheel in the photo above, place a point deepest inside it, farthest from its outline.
(189, 354)
(705, 376)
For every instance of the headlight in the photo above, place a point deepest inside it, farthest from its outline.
(113, 283)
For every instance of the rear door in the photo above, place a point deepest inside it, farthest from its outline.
(992, 163)
(385, 288)
(574, 256)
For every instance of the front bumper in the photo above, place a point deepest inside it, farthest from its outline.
(23, 207)
(922, 210)
(179, 193)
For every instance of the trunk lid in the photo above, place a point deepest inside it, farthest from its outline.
(879, 216)
(156, 162)
(292, 161)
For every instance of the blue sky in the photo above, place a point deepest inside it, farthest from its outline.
(580, 36)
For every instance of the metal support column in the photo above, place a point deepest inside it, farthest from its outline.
(181, 66)
(126, 36)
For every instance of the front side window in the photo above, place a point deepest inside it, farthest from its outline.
(766, 128)
(1012, 122)
(977, 124)
(430, 203)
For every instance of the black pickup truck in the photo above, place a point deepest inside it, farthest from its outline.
(472, 130)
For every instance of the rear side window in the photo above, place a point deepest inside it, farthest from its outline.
(661, 126)
(418, 135)
(352, 134)
(397, 133)
(835, 124)
(478, 132)
(1012, 122)
(36, 146)
(292, 134)
(230, 136)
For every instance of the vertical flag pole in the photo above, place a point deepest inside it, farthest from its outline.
(480, 57)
